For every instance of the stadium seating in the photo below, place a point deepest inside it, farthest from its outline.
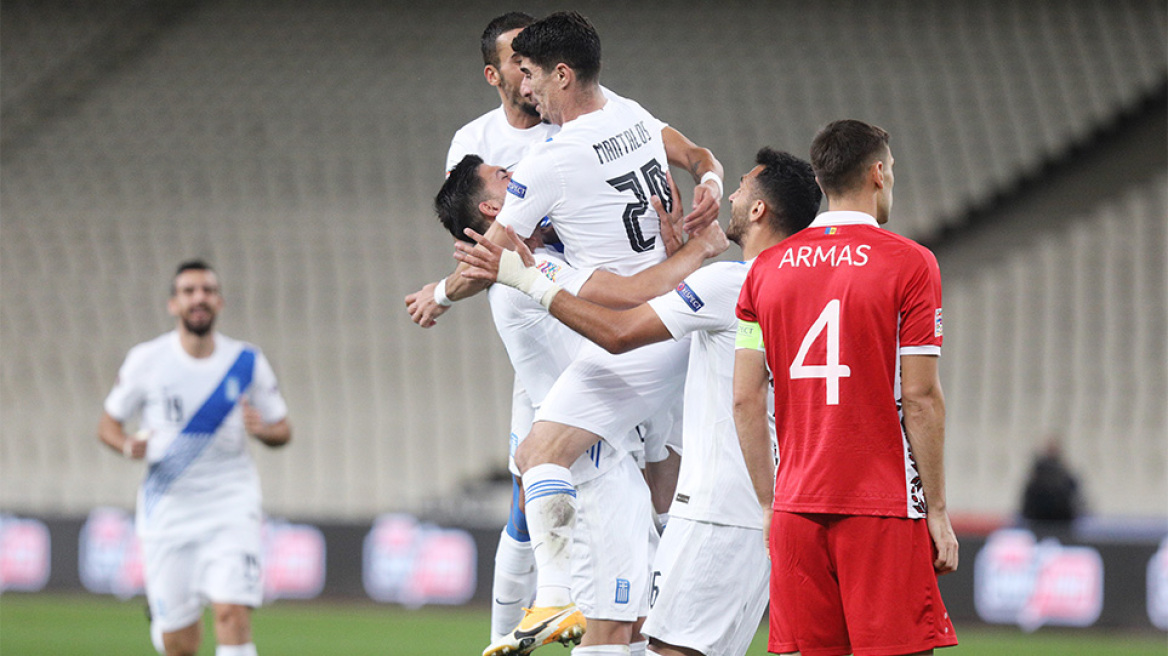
(297, 146)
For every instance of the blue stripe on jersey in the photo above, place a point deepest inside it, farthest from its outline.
(199, 431)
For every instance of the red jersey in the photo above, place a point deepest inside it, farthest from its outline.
(838, 303)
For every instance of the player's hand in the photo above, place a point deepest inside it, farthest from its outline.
(944, 541)
(712, 239)
(423, 309)
(253, 421)
(672, 233)
(134, 447)
(483, 258)
(767, 515)
(706, 200)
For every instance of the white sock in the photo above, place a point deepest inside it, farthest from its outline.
(156, 638)
(638, 648)
(514, 584)
(551, 517)
(602, 650)
(236, 650)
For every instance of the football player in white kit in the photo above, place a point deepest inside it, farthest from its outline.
(709, 584)
(199, 395)
(540, 347)
(593, 181)
(502, 136)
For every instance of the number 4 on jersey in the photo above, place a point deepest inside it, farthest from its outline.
(832, 371)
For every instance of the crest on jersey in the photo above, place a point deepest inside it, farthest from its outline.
(937, 324)
(516, 188)
(688, 295)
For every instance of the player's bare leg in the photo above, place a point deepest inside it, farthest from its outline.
(233, 630)
(664, 649)
(185, 641)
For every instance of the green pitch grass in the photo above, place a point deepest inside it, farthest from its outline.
(82, 625)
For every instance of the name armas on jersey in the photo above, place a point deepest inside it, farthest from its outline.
(622, 144)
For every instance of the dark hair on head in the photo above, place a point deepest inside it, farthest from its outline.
(457, 202)
(188, 265)
(563, 37)
(787, 186)
(843, 151)
(512, 20)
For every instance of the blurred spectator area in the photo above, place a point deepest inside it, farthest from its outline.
(297, 146)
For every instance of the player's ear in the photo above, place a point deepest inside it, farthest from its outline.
(876, 172)
(564, 74)
(172, 306)
(490, 208)
(757, 210)
(492, 75)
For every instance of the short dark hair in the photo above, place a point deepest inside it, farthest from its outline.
(563, 37)
(843, 150)
(457, 202)
(787, 185)
(512, 20)
(188, 265)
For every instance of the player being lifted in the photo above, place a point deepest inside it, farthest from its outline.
(593, 181)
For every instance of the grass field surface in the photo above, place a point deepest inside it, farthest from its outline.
(82, 625)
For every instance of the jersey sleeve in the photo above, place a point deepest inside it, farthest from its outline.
(265, 392)
(920, 311)
(563, 274)
(745, 308)
(703, 301)
(129, 392)
(534, 191)
(460, 146)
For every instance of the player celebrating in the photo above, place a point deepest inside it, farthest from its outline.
(199, 394)
(700, 563)
(848, 318)
(593, 181)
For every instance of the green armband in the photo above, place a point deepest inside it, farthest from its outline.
(749, 336)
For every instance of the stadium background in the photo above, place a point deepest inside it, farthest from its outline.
(297, 145)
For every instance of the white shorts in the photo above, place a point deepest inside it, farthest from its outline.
(223, 566)
(610, 394)
(709, 587)
(610, 545)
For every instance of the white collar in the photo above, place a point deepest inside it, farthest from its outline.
(844, 217)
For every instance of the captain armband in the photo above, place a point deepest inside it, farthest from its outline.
(749, 336)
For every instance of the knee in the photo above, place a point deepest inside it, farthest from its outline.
(181, 643)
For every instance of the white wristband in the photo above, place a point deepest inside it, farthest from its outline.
(440, 296)
(710, 175)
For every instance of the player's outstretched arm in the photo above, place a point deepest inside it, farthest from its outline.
(924, 425)
(751, 386)
(111, 432)
(425, 307)
(617, 331)
(623, 292)
(704, 168)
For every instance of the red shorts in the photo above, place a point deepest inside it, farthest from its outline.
(852, 584)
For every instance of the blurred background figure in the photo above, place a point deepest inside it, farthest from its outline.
(1052, 492)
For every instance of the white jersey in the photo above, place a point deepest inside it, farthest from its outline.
(713, 485)
(200, 471)
(495, 140)
(540, 347)
(594, 180)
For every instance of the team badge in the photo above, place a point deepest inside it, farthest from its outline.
(516, 189)
(549, 269)
(622, 591)
(937, 324)
(691, 299)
